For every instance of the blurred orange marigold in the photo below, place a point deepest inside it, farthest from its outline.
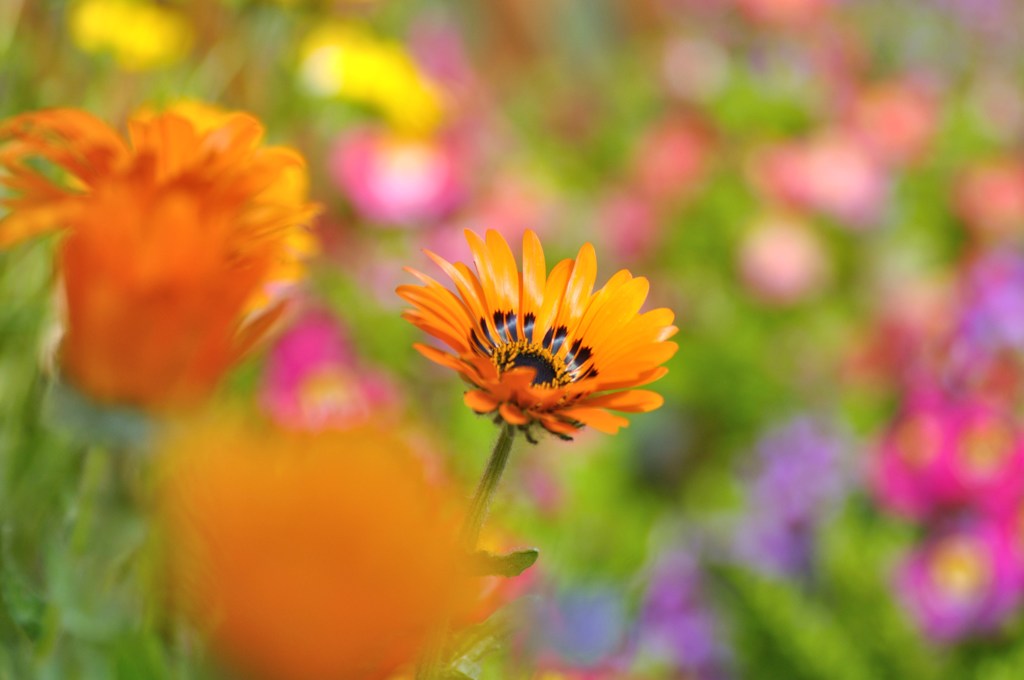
(176, 239)
(309, 556)
(544, 348)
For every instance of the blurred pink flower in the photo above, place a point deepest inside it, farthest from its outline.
(990, 197)
(629, 225)
(670, 159)
(694, 68)
(398, 180)
(943, 454)
(833, 173)
(513, 203)
(998, 104)
(916, 311)
(313, 381)
(783, 13)
(896, 120)
(782, 261)
(963, 581)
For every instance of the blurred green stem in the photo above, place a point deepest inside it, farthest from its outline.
(10, 15)
(481, 502)
(430, 663)
(95, 468)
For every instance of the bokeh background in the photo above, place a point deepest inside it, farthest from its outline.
(830, 195)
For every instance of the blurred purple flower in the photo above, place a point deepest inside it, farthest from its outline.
(583, 627)
(994, 302)
(799, 475)
(964, 580)
(677, 627)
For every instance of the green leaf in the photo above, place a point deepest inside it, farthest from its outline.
(23, 604)
(511, 565)
(67, 410)
(802, 635)
(471, 645)
(452, 674)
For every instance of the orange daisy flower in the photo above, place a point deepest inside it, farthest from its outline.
(308, 556)
(544, 348)
(177, 242)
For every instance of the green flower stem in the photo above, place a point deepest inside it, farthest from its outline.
(430, 663)
(481, 502)
(95, 468)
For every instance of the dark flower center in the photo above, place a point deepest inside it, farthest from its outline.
(545, 371)
(514, 346)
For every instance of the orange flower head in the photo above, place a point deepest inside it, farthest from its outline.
(544, 348)
(309, 556)
(177, 242)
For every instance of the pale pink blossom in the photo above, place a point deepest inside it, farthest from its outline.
(782, 260)
(833, 173)
(397, 180)
(897, 120)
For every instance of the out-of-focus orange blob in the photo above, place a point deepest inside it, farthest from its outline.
(310, 556)
(178, 242)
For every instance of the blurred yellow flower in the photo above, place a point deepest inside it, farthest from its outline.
(140, 35)
(345, 61)
(178, 241)
(309, 556)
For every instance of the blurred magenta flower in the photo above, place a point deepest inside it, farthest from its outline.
(989, 198)
(398, 180)
(833, 173)
(782, 261)
(965, 580)
(943, 454)
(677, 627)
(897, 120)
(313, 379)
(778, 532)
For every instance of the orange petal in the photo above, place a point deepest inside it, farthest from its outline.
(578, 289)
(512, 414)
(553, 424)
(534, 275)
(25, 222)
(597, 418)
(480, 401)
(447, 360)
(465, 283)
(506, 275)
(554, 291)
(485, 271)
(632, 401)
(602, 383)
